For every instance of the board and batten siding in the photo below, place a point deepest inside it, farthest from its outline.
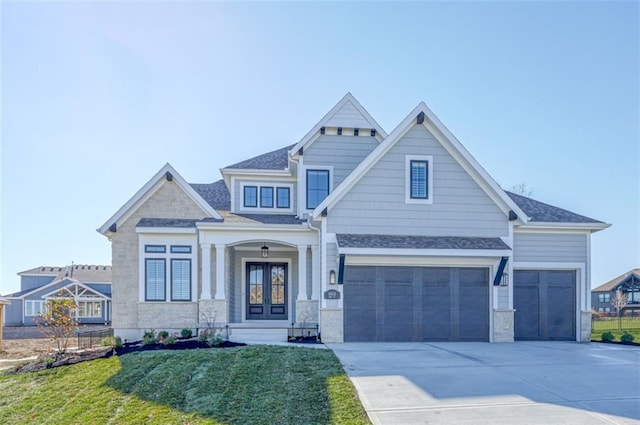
(343, 153)
(348, 116)
(376, 204)
(550, 247)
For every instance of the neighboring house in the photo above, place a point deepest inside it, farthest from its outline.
(372, 236)
(628, 283)
(88, 285)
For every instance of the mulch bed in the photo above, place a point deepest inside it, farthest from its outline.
(56, 360)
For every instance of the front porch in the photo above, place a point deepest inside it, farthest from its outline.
(256, 290)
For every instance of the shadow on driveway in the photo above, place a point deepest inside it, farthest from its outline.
(482, 383)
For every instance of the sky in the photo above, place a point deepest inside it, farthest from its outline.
(97, 96)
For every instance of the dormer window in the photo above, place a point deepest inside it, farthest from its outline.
(283, 197)
(266, 197)
(317, 187)
(251, 196)
(270, 197)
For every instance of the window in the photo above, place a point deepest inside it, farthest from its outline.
(89, 309)
(180, 280)
(633, 297)
(419, 181)
(251, 196)
(34, 308)
(155, 248)
(154, 279)
(604, 298)
(181, 249)
(266, 197)
(282, 197)
(317, 187)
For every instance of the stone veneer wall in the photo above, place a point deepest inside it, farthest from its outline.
(169, 201)
(503, 325)
(332, 325)
(585, 326)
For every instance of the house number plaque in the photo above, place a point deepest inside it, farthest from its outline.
(332, 294)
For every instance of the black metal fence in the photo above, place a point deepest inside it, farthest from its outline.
(304, 333)
(92, 339)
(612, 323)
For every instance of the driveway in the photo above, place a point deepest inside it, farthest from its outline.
(480, 383)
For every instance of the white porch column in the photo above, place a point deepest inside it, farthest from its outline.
(302, 272)
(220, 271)
(206, 271)
(315, 269)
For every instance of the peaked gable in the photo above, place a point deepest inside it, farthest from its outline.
(168, 174)
(348, 112)
(422, 116)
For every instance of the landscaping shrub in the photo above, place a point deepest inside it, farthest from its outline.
(607, 336)
(170, 340)
(149, 337)
(626, 337)
(162, 335)
(112, 342)
(186, 333)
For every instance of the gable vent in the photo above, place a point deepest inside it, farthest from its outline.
(373, 132)
(356, 131)
(420, 118)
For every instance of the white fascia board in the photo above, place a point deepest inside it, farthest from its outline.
(78, 283)
(355, 176)
(559, 227)
(38, 274)
(256, 172)
(148, 189)
(252, 227)
(470, 164)
(486, 253)
(40, 288)
(166, 230)
(311, 136)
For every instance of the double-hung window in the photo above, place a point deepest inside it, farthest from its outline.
(266, 197)
(317, 187)
(33, 308)
(180, 279)
(251, 196)
(154, 271)
(282, 197)
(419, 179)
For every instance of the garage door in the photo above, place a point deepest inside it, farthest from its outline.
(416, 304)
(545, 304)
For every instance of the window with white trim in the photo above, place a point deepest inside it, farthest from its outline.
(419, 179)
(90, 309)
(317, 187)
(283, 197)
(180, 279)
(154, 271)
(34, 308)
(267, 197)
(604, 298)
(250, 196)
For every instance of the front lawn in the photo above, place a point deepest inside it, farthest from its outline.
(243, 385)
(611, 324)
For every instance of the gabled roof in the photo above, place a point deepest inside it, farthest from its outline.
(4, 301)
(80, 289)
(166, 172)
(82, 272)
(545, 213)
(419, 242)
(330, 120)
(448, 141)
(274, 160)
(613, 283)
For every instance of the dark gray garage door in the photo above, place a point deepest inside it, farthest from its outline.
(416, 304)
(545, 304)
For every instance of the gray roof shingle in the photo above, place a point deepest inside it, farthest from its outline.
(216, 194)
(541, 212)
(167, 222)
(418, 242)
(274, 160)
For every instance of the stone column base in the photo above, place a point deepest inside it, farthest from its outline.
(503, 325)
(213, 311)
(332, 325)
(307, 312)
(585, 326)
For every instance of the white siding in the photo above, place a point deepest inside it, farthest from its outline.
(348, 116)
(344, 153)
(376, 204)
(503, 297)
(550, 247)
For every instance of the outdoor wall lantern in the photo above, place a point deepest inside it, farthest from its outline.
(265, 251)
(332, 277)
(505, 280)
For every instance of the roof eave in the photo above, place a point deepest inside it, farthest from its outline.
(593, 227)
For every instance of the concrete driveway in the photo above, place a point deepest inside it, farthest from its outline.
(479, 383)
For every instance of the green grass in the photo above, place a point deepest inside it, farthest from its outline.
(243, 385)
(629, 324)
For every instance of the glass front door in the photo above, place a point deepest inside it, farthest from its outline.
(267, 288)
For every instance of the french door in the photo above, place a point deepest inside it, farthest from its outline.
(267, 290)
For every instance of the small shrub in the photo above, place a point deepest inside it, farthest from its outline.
(170, 340)
(626, 337)
(149, 337)
(112, 342)
(162, 335)
(186, 333)
(607, 336)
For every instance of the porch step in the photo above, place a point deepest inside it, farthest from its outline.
(258, 336)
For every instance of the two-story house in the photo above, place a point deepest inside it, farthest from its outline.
(372, 236)
(628, 284)
(89, 286)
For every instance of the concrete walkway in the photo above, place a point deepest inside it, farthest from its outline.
(479, 383)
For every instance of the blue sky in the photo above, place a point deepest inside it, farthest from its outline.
(96, 97)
